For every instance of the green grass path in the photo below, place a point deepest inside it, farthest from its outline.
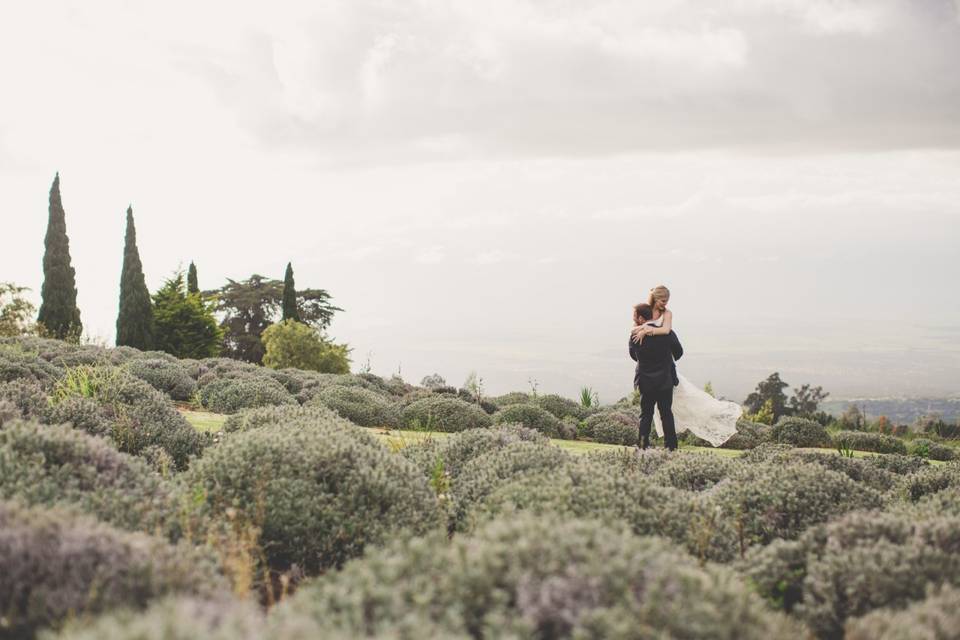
(206, 421)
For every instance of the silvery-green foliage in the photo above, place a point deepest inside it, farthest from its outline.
(931, 450)
(530, 416)
(749, 435)
(320, 494)
(587, 488)
(51, 465)
(857, 469)
(897, 464)
(695, 472)
(514, 397)
(930, 480)
(559, 406)
(935, 618)
(459, 448)
(769, 501)
(175, 618)
(613, 427)
(764, 452)
(800, 432)
(444, 413)
(869, 441)
(536, 577)
(165, 376)
(229, 395)
(483, 474)
(55, 564)
(282, 415)
(630, 461)
(359, 405)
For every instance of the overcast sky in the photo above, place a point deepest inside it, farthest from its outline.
(491, 185)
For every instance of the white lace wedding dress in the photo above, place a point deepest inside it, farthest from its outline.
(701, 414)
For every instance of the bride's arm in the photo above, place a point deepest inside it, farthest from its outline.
(662, 330)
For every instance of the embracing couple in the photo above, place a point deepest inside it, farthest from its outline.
(655, 348)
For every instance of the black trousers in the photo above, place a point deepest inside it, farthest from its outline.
(663, 399)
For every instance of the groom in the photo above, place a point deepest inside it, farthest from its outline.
(655, 378)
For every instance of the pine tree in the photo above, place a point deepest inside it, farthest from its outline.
(135, 319)
(290, 311)
(185, 326)
(192, 285)
(59, 313)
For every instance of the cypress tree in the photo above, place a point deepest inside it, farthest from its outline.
(289, 300)
(59, 313)
(135, 319)
(192, 284)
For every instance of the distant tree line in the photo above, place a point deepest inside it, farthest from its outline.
(259, 320)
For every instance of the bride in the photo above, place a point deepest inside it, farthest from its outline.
(693, 409)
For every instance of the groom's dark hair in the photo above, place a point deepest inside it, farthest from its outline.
(642, 310)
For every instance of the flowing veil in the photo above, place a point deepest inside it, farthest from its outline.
(701, 414)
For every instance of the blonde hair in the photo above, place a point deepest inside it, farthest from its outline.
(659, 292)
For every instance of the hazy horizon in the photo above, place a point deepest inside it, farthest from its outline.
(491, 188)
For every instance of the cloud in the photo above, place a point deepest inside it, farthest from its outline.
(439, 80)
(433, 255)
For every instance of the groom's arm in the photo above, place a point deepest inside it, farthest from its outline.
(675, 347)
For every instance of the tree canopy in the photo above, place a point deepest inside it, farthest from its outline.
(248, 307)
(293, 344)
(135, 318)
(184, 325)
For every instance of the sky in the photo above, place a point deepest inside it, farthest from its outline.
(490, 186)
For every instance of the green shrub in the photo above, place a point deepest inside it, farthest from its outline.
(534, 578)
(459, 448)
(483, 474)
(164, 376)
(360, 406)
(55, 564)
(139, 415)
(177, 618)
(896, 464)
(50, 465)
(749, 435)
(612, 427)
(930, 480)
(559, 406)
(936, 617)
(16, 364)
(931, 450)
(318, 494)
(298, 345)
(514, 397)
(869, 441)
(644, 462)
(695, 472)
(444, 413)
(529, 416)
(229, 395)
(800, 432)
(867, 561)
(770, 501)
(283, 415)
(587, 488)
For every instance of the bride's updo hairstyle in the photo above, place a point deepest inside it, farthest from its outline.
(659, 292)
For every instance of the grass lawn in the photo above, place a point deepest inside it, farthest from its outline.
(206, 421)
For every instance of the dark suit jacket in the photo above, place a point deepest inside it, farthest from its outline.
(656, 360)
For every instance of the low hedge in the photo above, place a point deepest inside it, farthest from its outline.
(800, 432)
(931, 450)
(317, 495)
(55, 465)
(869, 441)
(444, 413)
(612, 427)
(360, 406)
(531, 417)
(165, 376)
(529, 577)
(229, 395)
(55, 564)
(282, 415)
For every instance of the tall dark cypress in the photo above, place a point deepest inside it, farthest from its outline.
(192, 285)
(59, 313)
(135, 319)
(290, 311)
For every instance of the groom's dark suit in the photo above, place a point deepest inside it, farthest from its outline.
(655, 378)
